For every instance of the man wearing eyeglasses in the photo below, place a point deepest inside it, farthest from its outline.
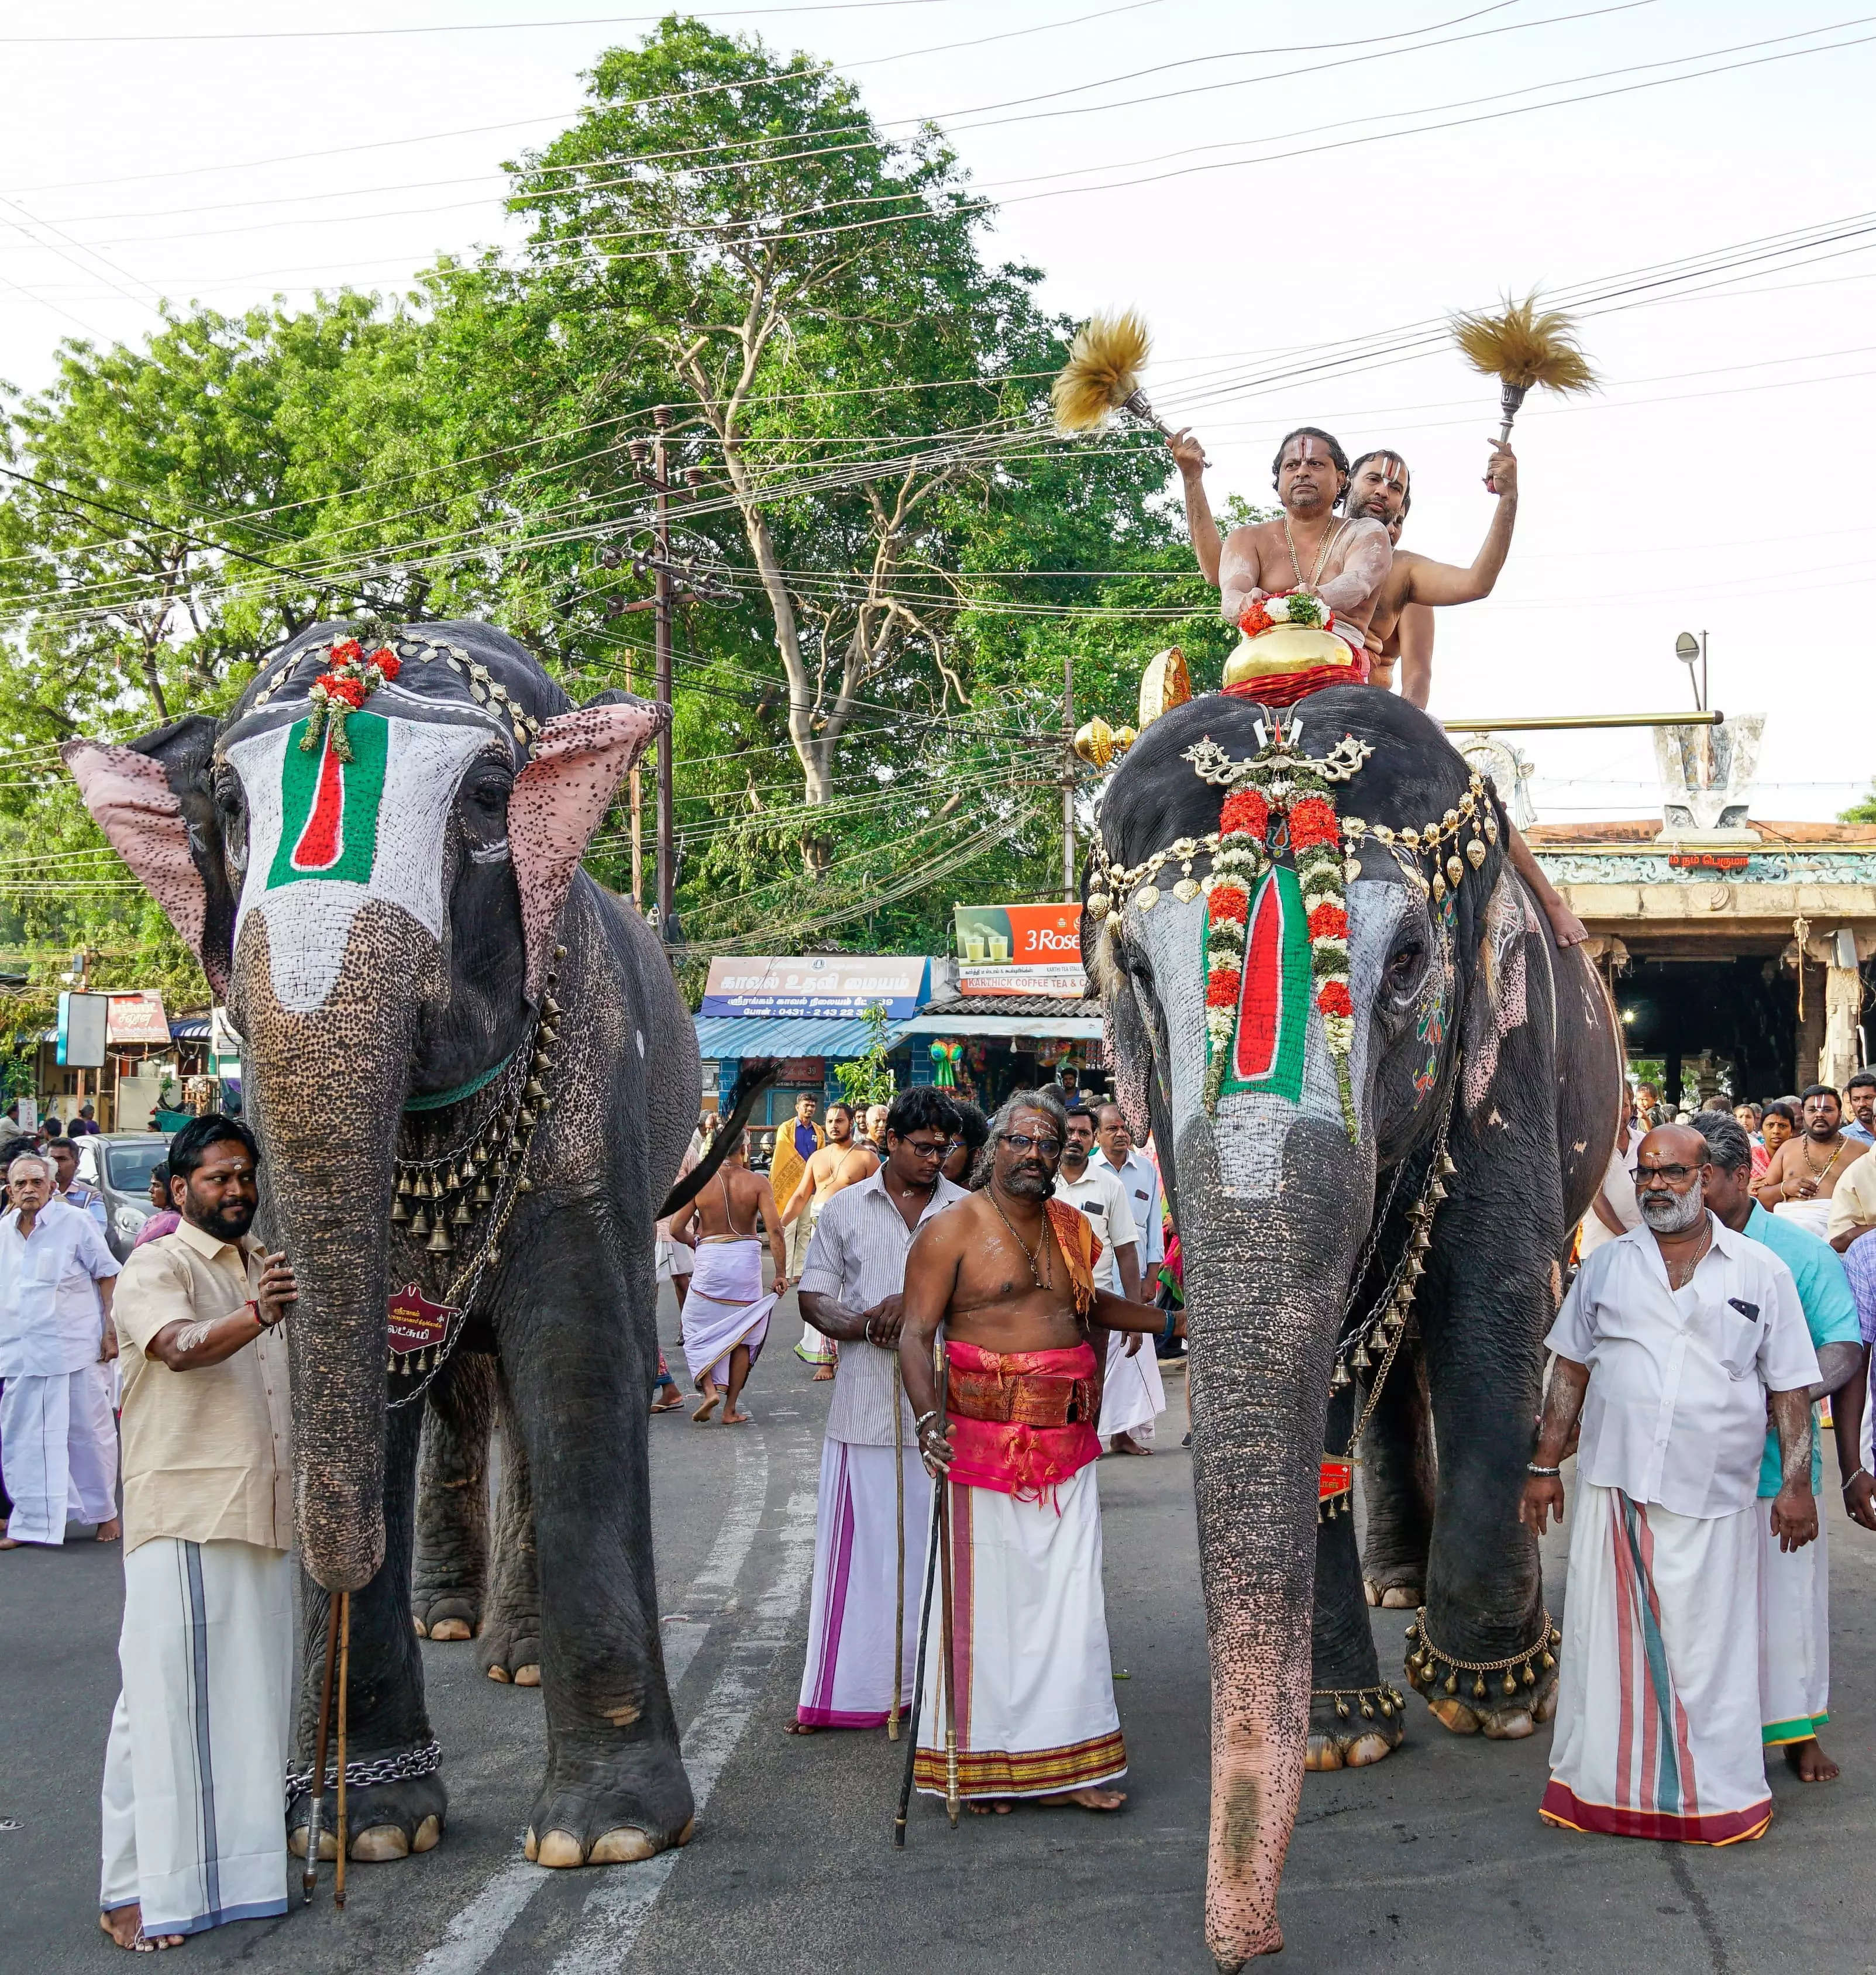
(869, 1536)
(1675, 1340)
(1024, 1673)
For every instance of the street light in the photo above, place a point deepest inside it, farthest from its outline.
(1692, 651)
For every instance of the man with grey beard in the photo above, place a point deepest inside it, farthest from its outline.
(1675, 1340)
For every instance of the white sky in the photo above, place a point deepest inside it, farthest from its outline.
(1731, 421)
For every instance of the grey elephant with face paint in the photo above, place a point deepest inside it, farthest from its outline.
(1381, 1103)
(473, 1080)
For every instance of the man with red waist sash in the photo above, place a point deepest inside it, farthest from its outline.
(1009, 1272)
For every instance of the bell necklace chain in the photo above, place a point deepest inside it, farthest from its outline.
(1328, 542)
(1041, 1248)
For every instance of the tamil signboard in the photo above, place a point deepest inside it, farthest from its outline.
(138, 1018)
(1021, 950)
(815, 985)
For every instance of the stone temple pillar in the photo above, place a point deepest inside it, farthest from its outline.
(1843, 1000)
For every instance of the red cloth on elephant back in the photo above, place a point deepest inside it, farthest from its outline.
(1285, 688)
(992, 1398)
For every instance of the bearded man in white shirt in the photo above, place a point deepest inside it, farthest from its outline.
(1674, 1341)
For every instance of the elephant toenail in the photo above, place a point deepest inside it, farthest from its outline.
(424, 1839)
(527, 1676)
(500, 1673)
(559, 1849)
(530, 1848)
(451, 1628)
(380, 1843)
(625, 1846)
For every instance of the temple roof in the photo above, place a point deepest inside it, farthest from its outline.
(1854, 835)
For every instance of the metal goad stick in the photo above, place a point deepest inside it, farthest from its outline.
(345, 1674)
(918, 1677)
(898, 1582)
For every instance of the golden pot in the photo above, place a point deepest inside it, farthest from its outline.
(1285, 648)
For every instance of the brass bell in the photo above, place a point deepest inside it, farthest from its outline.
(439, 1242)
(547, 1034)
(1511, 1683)
(1546, 1660)
(527, 1117)
(531, 1091)
(1368, 1709)
(544, 1106)
(462, 1217)
(1530, 1678)
(1387, 1710)
(1338, 1380)
(390, 1364)
(403, 1184)
(550, 1008)
(523, 1185)
(420, 1222)
(484, 1194)
(400, 1214)
(1359, 1360)
(1478, 1688)
(1447, 1166)
(1452, 1683)
(1556, 1638)
(1412, 1634)
(542, 1062)
(1341, 1707)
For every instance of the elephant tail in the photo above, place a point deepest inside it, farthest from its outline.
(754, 1078)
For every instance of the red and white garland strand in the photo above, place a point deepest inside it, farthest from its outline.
(342, 689)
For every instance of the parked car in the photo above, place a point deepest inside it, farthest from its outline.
(119, 1164)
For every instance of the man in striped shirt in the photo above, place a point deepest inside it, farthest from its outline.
(868, 1547)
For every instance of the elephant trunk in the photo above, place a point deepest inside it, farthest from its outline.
(327, 1084)
(1266, 1278)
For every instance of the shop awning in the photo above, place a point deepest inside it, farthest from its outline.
(721, 1036)
(1077, 1028)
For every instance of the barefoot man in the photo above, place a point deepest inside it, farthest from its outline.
(1340, 561)
(840, 1162)
(726, 1316)
(1794, 1586)
(1010, 1274)
(1806, 1171)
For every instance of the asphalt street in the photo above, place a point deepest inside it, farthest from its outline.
(1435, 1859)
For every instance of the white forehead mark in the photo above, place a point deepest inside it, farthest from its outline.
(309, 920)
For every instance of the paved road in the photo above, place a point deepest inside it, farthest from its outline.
(1434, 1861)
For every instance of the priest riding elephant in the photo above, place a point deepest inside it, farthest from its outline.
(473, 1080)
(1382, 1098)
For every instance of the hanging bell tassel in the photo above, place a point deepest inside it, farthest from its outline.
(484, 1197)
(1339, 1379)
(400, 1214)
(420, 1222)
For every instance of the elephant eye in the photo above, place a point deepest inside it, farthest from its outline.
(233, 814)
(1404, 963)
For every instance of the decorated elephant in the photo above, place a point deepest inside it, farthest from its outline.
(473, 1080)
(1382, 1098)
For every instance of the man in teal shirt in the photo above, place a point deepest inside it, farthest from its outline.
(1794, 1586)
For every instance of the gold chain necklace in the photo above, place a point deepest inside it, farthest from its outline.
(1818, 1178)
(1334, 537)
(1692, 1264)
(1041, 1248)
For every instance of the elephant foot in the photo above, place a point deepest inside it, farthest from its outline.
(1351, 1729)
(1497, 1716)
(600, 1829)
(513, 1655)
(440, 1613)
(383, 1821)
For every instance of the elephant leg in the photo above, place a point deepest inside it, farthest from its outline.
(1397, 1481)
(450, 1577)
(386, 1721)
(1491, 1299)
(1354, 1718)
(577, 1352)
(511, 1637)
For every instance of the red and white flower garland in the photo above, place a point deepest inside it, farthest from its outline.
(1294, 606)
(342, 689)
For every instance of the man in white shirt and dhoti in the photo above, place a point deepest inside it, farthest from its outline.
(875, 1502)
(1674, 1341)
(1132, 1395)
(57, 1436)
(726, 1315)
(194, 1820)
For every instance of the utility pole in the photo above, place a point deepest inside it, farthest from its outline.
(1068, 781)
(667, 874)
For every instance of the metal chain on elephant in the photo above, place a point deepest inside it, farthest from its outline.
(1425, 1659)
(1385, 1699)
(401, 1766)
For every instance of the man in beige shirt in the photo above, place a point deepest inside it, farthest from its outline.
(1853, 1205)
(194, 1827)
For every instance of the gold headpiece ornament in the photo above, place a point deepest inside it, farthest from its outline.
(1165, 684)
(1102, 375)
(1521, 347)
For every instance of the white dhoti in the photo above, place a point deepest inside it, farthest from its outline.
(814, 1349)
(195, 1821)
(1133, 1395)
(1657, 1733)
(726, 1307)
(1794, 1635)
(847, 1681)
(1036, 1711)
(58, 1441)
(675, 1258)
(1813, 1216)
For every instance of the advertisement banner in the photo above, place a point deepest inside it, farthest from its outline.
(138, 1018)
(815, 985)
(81, 1020)
(1021, 950)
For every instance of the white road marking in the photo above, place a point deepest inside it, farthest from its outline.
(617, 1909)
(478, 1927)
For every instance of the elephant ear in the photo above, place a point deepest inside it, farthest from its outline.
(560, 800)
(154, 801)
(1499, 1000)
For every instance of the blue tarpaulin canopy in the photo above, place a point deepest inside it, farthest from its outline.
(722, 1036)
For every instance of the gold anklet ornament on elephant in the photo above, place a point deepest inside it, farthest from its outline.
(1424, 1660)
(1385, 1701)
